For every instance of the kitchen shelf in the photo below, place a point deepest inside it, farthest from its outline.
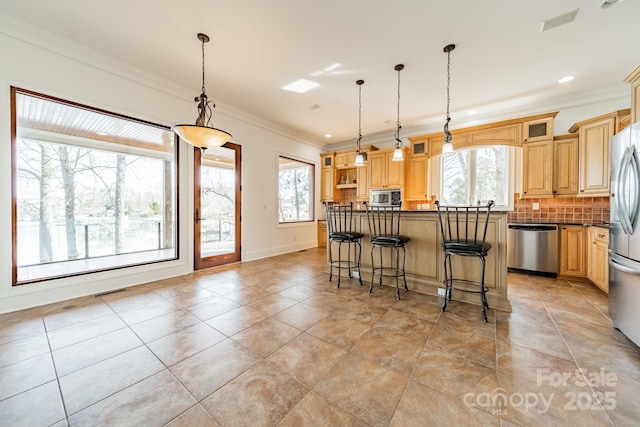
(355, 185)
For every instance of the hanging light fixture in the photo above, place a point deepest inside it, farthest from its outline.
(447, 147)
(360, 157)
(398, 155)
(202, 135)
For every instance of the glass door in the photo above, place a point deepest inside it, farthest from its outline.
(217, 206)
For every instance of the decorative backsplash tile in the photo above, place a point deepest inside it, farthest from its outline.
(562, 210)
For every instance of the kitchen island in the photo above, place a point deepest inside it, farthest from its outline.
(424, 262)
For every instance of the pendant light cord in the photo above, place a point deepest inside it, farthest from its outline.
(447, 134)
(203, 91)
(359, 83)
(398, 68)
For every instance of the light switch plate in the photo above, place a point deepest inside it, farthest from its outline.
(440, 291)
(536, 206)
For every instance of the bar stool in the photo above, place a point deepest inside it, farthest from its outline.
(340, 231)
(384, 231)
(464, 233)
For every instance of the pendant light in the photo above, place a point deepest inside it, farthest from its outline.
(447, 147)
(360, 157)
(398, 155)
(202, 135)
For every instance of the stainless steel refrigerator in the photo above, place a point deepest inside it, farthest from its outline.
(624, 233)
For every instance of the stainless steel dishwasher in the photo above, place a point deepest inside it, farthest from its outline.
(533, 248)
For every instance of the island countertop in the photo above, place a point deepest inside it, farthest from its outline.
(424, 257)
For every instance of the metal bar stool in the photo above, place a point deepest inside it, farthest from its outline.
(464, 233)
(340, 230)
(384, 231)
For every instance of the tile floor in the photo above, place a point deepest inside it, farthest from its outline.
(272, 342)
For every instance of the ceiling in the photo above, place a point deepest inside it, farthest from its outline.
(503, 64)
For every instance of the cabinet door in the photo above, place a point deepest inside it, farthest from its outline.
(601, 267)
(395, 172)
(417, 179)
(565, 167)
(572, 251)
(594, 157)
(377, 163)
(537, 130)
(362, 192)
(326, 184)
(537, 160)
(327, 161)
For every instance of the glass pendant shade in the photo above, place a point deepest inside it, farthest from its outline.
(447, 148)
(398, 155)
(359, 160)
(200, 134)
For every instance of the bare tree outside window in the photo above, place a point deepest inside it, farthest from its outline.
(295, 190)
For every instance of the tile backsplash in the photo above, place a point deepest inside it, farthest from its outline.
(561, 210)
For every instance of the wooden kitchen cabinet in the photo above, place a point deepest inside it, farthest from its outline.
(594, 136)
(363, 178)
(565, 165)
(386, 173)
(417, 176)
(537, 130)
(510, 134)
(345, 160)
(634, 79)
(327, 177)
(322, 234)
(537, 164)
(598, 257)
(573, 256)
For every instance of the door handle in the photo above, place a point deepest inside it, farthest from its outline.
(196, 216)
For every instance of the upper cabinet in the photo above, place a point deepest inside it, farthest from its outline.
(634, 79)
(537, 166)
(345, 160)
(327, 178)
(498, 135)
(565, 165)
(386, 173)
(537, 130)
(594, 136)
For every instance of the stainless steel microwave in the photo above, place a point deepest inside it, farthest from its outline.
(385, 197)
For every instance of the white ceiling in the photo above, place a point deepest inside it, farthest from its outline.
(502, 65)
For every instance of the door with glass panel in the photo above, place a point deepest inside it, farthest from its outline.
(217, 206)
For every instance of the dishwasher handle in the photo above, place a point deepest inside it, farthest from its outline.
(536, 227)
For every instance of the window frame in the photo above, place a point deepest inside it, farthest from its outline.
(510, 173)
(312, 190)
(175, 182)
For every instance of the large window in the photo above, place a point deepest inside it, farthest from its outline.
(475, 175)
(295, 190)
(92, 190)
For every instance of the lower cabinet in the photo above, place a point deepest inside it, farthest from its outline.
(598, 257)
(573, 259)
(322, 234)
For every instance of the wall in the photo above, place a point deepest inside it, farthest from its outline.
(35, 61)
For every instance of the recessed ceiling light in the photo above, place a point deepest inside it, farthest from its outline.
(566, 79)
(301, 86)
(327, 135)
(610, 3)
(101, 133)
(471, 112)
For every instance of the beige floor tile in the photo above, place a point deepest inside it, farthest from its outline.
(395, 352)
(195, 416)
(186, 296)
(27, 374)
(161, 326)
(249, 399)
(315, 411)
(423, 306)
(469, 321)
(302, 316)
(327, 301)
(307, 358)
(87, 386)
(297, 292)
(152, 402)
(85, 310)
(526, 317)
(265, 337)
(212, 307)
(73, 334)
(342, 332)
(20, 324)
(184, 343)
(541, 339)
(424, 406)
(207, 371)
(272, 304)
(236, 320)
(40, 406)
(94, 350)
(466, 344)
(247, 295)
(527, 363)
(146, 312)
(363, 388)
(23, 349)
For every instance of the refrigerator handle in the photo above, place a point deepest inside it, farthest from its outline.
(633, 165)
(621, 195)
(622, 266)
